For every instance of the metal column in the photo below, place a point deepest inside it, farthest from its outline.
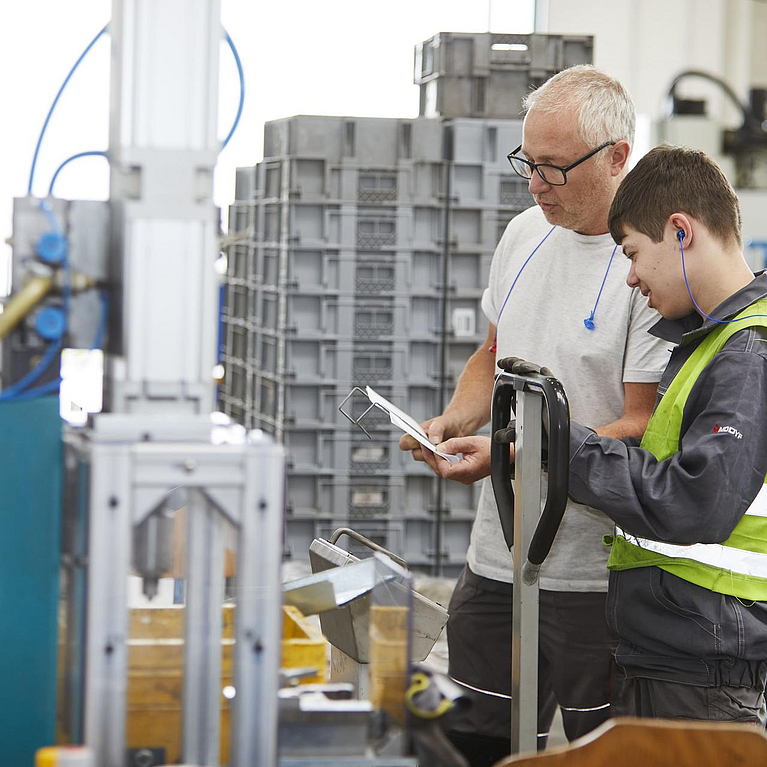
(106, 658)
(258, 627)
(202, 631)
(527, 508)
(163, 148)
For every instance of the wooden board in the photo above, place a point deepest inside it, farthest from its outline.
(656, 743)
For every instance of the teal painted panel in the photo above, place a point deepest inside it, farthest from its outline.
(30, 539)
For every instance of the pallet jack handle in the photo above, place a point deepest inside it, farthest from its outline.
(507, 385)
(529, 533)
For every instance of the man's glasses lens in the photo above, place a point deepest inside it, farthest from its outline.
(521, 167)
(552, 175)
(549, 173)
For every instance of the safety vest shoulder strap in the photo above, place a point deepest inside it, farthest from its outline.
(661, 437)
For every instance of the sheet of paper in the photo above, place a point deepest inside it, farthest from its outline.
(409, 425)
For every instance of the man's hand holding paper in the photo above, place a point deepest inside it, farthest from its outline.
(475, 459)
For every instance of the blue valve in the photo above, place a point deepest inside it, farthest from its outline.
(51, 323)
(52, 247)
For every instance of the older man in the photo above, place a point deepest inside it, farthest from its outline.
(556, 291)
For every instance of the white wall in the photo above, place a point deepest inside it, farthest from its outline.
(645, 43)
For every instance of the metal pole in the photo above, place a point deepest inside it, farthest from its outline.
(527, 507)
(202, 631)
(258, 621)
(106, 656)
(447, 141)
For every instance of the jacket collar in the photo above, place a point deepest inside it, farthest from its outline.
(692, 327)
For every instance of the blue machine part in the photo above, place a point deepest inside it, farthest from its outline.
(30, 509)
(51, 323)
(52, 247)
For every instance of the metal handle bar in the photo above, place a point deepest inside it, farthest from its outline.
(555, 401)
(366, 542)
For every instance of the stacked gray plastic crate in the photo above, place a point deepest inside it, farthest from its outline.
(335, 280)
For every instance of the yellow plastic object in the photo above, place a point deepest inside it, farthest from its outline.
(64, 756)
(156, 664)
(303, 645)
(47, 757)
(418, 683)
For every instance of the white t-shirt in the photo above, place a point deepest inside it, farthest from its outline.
(543, 322)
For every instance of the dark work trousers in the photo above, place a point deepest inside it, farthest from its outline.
(576, 666)
(672, 700)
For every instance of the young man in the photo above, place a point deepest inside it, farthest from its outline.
(688, 581)
(557, 287)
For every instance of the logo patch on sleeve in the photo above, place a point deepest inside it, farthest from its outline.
(726, 430)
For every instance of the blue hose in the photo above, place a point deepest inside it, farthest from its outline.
(53, 106)
(67, 161)
(241, 75)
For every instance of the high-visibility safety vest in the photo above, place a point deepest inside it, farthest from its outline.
(738, 566)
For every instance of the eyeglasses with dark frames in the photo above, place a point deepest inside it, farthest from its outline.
(554, 175)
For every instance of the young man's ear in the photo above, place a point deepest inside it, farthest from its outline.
(619, 157)
(682, 229)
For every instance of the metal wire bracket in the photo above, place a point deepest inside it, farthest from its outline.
(357, 421)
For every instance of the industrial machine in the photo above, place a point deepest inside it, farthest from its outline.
(137, 275)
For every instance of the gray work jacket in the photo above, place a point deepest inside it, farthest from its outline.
(669, 628)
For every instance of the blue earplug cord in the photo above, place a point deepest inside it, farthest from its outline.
(588, 321)
(680, 237)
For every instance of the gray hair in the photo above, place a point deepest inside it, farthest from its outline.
(604, 108)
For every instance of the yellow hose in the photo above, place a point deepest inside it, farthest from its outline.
(23, 302)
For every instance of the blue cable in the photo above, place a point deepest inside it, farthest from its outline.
(67, 161)
(67, 290)
(48, 212)
(242, 89)
(240, 73)
(98, 341)
(95, 153)
(589, 321)
(51, 387)
(680, 235)
(53, 106)
(29, 378)
(519, 273)
(14, 393)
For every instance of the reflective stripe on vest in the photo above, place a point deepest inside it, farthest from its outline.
(714, 554)
(758, 507)
(738, 566)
